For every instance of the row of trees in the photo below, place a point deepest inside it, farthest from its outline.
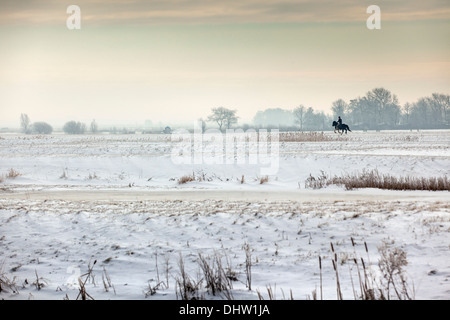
(74, 127)
(378, 109)
(36, 127)
(300, 118)
(71, 127)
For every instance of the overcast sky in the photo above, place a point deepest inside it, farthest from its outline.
(173, 61)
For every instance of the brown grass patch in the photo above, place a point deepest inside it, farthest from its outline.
(374, 179)
(186, 179)
(12, 174)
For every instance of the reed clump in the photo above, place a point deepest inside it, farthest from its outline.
(375, 179)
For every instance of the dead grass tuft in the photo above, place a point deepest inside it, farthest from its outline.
(82, 294)
(7, 284)
(392, 262)
(186, 288)
(186, 179)
(393, 283)
(40, 282)
(92, 176)
(217, 278)
(374, 179)
(12, 174)
(320, 182)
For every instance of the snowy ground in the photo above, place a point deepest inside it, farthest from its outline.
(115, 200)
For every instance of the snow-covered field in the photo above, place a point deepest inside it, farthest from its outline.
(116, 200)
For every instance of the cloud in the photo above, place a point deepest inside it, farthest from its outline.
(104, 12)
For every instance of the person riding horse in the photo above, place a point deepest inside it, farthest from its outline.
(338, 125)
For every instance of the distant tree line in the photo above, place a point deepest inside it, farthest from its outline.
(378, 109)
(76, 127)
(71, 127)
(34, 128)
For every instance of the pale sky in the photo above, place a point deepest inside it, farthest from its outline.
(173, 61)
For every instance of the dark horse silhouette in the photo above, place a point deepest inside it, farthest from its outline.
(342, 127)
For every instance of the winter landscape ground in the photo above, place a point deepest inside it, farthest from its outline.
(115, 217)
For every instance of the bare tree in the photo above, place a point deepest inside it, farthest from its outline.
(25, 123)
(224, 117)
(440, 105)
(339, 108)
(309, 119)
(420, 114)
(273, 117)
(429, 112)
(299, 116)
(41, 128)
(202, 123)
(73, 127)
(385, 104)
(94, 126)
(406, 113)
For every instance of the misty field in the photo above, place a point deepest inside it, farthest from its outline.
(116, 217)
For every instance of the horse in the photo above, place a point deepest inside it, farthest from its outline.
(342, 127)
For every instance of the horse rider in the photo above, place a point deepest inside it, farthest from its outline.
(339, 120)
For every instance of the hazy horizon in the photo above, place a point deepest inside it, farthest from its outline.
(173, 61)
